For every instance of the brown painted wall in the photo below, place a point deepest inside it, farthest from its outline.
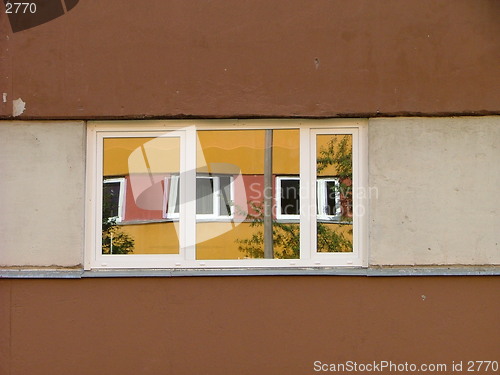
(219, 58)
(242, 325)
(321, 58)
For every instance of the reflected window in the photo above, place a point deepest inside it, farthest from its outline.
(328, 199)
(214, 197)
(334, 174)
(287, 198)
(328, 203)
(133, 175)
(113, 192)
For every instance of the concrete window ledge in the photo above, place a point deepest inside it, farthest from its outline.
(45, 273)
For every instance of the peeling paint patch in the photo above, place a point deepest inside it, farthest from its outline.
(4, 97)
(316, 63)
(18, 107)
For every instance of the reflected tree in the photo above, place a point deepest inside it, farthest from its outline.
(286, 236)
(286, 239)
(114, 240)
(339, 154)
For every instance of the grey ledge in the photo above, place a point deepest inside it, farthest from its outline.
(46, 273)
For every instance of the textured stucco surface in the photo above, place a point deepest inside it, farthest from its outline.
(437, 181)
(244, 325)
(42, 193)
(327, 58)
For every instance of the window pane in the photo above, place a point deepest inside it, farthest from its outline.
(290, 197)
(204, 196)
(111, 199)
(334, 192)
(236, 160)
(146, 166)
(225, 195)
(331, 197)
(172, 196)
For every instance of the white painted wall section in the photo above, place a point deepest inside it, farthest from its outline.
(42, 184)
(438, 183)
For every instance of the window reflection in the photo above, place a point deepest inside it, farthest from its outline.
(136, 179)
(334, 193)
(238, 174)
(235, 163)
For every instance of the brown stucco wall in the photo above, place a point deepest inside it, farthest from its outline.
(255, 58)
(242, 325)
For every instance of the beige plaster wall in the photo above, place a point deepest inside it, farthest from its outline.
(42, 183)
(438, 185)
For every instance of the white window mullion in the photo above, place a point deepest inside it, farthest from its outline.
(306, 200)
(313, 209)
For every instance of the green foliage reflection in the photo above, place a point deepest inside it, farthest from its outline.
(286, 236)
(114, 240)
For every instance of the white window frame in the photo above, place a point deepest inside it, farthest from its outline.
(359, 196)
(186, 131)
(121, 198)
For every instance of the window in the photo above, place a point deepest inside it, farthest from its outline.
(287, 198)
(212, 194)
(113, 194)
(328, 199)
(327, 195)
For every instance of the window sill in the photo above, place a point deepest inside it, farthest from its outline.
(61, 273)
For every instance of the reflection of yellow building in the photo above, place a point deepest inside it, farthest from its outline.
(123, 156)
(217, 150)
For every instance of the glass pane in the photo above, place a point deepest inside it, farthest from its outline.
(225, 196)
(243, 187)
(172, 196)
(143, 170)
(334, 193)
(290, 197)
(331, 198)
(204, 196)
(111, 199)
